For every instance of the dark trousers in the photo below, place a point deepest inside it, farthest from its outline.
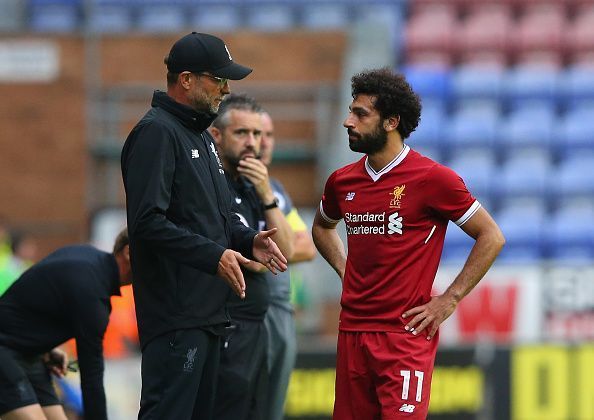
(179, 375)
(242, 384)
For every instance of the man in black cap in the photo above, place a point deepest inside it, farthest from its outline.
(185, 242)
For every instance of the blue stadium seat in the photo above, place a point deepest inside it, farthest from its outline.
(429, 132)
(110, 19)
(532, 81)
(468, 81)
(577, 84)
(457, 244)
(390, 14)
(270, 16)
(575, 176)
(429, 151)
(330, 16)
(477, 167)
(576, 130)
(473, 125)
(525, 174)
(58, 16)
(523, 225)
(39, 3)
(429, 82)
(570, 233)
(223, 17)
(530, 125)
(161, 19)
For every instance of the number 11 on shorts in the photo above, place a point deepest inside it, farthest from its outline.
(406, 384)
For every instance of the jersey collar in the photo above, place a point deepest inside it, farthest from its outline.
(375, 175)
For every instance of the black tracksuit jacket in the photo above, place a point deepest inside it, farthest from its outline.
(179, 220)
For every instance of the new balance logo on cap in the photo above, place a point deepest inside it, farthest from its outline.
(407, 408)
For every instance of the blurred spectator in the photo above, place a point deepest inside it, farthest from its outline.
(21, 255)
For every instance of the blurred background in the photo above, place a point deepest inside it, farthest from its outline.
(508, 102)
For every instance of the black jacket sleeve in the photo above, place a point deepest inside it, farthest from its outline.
(242, 237)
(150, 167)
(91, 324)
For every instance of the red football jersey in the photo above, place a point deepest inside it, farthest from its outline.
(396, 221)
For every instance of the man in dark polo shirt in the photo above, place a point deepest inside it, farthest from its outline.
(66, 295)
(241, 390)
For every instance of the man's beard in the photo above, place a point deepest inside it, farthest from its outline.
(369, 143)
(234, 160)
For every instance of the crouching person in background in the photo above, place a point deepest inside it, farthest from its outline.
(64, 296)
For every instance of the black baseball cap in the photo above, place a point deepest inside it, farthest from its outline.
(198, 52)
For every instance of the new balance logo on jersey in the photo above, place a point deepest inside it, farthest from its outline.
(394, 224)
(195, 154)
(349, 196)
(407, 408)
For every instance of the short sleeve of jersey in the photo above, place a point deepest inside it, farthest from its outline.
(329, 208)
(447, 195)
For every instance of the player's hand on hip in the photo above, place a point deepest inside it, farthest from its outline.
(230, 270)
(429, 315)
(266, 251)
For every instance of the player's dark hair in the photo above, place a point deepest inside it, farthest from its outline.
(121, 241)
(395, 96)
(240, 102)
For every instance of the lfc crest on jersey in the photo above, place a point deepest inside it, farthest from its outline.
(397, 195)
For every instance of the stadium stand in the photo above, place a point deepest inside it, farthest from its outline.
(485, 29)
(531, 125)
(110, 19)
(160, 18)
(477, 167)
(570, 232)
(524, 174)
(468, 81)
(57, 16)
(509, 104)
(522, 223)
(222, 17)
(507, 86)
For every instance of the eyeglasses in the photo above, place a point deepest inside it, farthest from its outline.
(220, 80)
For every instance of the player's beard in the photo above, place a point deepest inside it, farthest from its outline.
(369, 143)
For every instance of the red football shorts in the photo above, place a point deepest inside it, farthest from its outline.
(383, 375)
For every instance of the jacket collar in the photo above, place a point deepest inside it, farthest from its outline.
(195, 120)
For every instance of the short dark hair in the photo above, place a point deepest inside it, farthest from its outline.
(121, 241)
(171, 76)
(394, 96)
(240, 102)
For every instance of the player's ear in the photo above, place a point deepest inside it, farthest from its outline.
(391, 123)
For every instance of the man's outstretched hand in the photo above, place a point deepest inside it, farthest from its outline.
(266, 252)
(230, 270)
